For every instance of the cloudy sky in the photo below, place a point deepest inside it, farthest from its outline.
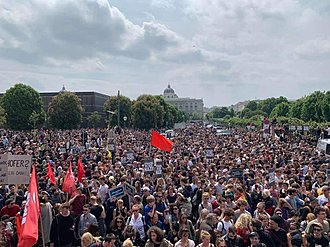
(219, 50)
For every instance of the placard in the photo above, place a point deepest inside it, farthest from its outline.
(149, 166)
(117, 193)
(292, 127)
(62, 150)
(237, 172)
(130, 156)
(129, 189)
(271, 180)
(306, 128)
(19, 167)
(159, 168)
(82, 149)
(299, 127)
(111, 146)
(209, 154)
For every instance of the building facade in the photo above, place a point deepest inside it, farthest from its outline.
(193, 107)
(90, 102)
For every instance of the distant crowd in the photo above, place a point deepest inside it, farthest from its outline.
(240, 189)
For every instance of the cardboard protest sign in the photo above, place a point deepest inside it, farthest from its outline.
(117, 193)
(17, 169)
(209, 154)
(130, 190)
(130, 156)
(237, 172)
(271, 180)
(159, 168)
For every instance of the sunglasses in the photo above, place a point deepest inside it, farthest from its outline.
(175, 208)
(317, 229)
(119, 221)
(135, 210)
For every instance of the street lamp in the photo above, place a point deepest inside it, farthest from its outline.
(110, 113)
(125, 118)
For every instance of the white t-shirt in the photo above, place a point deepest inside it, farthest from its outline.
(322, 199)
(223, 226)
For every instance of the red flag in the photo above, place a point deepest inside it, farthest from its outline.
(29, 225)
(50, 174)
(69, 185)
(161, 142)
(81, 171)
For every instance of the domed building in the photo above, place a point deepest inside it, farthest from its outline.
(194, 107)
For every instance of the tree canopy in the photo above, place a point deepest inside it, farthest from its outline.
(65, 111)
(125, 108)
(19, 102)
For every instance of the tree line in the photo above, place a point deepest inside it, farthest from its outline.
(313, 109)
(21, 108)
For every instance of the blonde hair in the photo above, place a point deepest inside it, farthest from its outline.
(88, 237)
(205, 234)
(243, 221)
(127, 243)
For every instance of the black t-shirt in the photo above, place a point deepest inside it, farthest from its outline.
(313, 242)
(96, 210)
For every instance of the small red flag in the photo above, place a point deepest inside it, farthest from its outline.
(69, 185)
(29, 225)
(161, 142)
(50, 174)
(81, 171)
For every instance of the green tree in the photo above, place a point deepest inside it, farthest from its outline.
(326, 106)
(220, 112)
(252, 105)
(144, 114)
(269, 104)
(2, 117)
(94, 119)
(19, 102)
(65, 111)
(125, 109)
(37, 119)
(281, 110)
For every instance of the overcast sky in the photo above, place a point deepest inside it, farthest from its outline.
(219, 50)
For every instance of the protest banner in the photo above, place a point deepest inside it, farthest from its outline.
(271, 179)
(209, 154)
(159, 168)
(130, 156)
(149, 166)
(129, 189)
(18, 169)
(237, 172)
(117, 193)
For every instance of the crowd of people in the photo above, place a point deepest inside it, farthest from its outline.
(241, 189)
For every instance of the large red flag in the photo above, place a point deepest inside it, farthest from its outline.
(50, 174)
(29, 225)
(81, 171)
(161, 142)
(69, 185)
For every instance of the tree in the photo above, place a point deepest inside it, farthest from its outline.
(19, 102)
(220, 112)
(65, 111)
(252, 105)
(94, 119)
(147, 113)
(36, 119)
(2, 117)
(269, 104)
(326, 106)
(125, 108)
(281, 110)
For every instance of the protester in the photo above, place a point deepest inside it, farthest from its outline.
(117, 194)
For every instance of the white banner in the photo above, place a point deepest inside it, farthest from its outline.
(17, 169)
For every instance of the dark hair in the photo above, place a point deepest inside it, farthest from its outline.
(256, 223)
(109, 237)
(159, 232)
(318, 210)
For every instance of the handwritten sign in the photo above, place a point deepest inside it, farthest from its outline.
(3, 169)
(209, 154)
(130, 156)
(271, 180)
(15, 169)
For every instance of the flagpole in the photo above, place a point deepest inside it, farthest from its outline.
(42, 231)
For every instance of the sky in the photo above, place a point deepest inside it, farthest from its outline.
(221, 51)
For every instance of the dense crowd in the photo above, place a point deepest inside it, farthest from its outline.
(240, 189)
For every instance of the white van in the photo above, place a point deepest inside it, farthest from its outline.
(323, 145)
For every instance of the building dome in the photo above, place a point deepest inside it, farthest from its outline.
(169, 90)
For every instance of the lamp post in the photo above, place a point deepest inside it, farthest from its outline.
(110, 113)
(125, 119)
